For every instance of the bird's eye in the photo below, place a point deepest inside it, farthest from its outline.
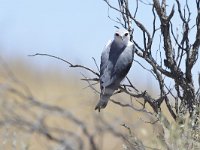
(116, 34)
(126, 34)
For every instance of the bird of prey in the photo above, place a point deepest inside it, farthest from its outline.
(116, 61)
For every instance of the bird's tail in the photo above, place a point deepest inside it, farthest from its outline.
(102, 102)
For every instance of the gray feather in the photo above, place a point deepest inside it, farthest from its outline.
(116, 61)
(117, 65)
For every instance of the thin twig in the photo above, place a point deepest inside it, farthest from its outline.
(70, 64)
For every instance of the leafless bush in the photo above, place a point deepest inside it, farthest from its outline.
(178, 52)
(21, 111)
(172, 59)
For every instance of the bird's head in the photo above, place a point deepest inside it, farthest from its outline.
(122, 37)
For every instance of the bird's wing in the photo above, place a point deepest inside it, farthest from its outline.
(124, 62)
(123, 65)
(115, 73)
(105, 65)
(105, 57)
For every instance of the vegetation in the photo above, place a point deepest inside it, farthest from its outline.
(136, 119)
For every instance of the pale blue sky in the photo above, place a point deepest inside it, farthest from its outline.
(75, 30)
(72, 29)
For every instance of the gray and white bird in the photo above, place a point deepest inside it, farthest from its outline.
(116, 61)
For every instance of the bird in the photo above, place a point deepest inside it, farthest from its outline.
(116, 61)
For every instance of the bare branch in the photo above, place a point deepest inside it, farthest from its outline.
(70, 64)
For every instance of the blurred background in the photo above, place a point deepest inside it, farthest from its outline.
(75, 31)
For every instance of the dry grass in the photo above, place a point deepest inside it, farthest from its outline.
(65, 90)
